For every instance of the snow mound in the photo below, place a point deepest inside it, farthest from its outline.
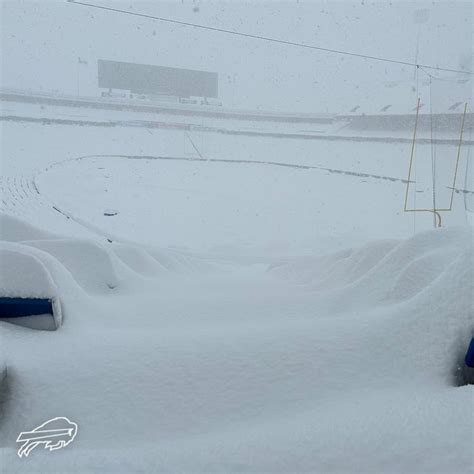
(419, 291)
(13, 229)
(257, 370)
(383, 270)
(139, 260)
(335, 270)
(24, 276)
(93, 266)
(79, 265)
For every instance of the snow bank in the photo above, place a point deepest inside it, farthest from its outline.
(13, 229)
(420, 290)
(343, 363)
(92, 265)
(39, 264)
(63, 270)
(25, 276)
(139, 259)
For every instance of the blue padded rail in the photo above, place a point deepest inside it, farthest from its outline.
(469, 359)
(16, 307)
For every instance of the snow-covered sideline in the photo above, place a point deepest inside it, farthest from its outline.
(342, 363)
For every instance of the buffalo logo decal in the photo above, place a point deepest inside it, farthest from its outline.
(53, 434)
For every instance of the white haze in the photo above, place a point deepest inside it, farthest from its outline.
(42, 40)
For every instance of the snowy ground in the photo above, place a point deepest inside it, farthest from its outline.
(246, 316)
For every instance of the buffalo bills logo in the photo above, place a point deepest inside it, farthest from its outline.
(53, 434)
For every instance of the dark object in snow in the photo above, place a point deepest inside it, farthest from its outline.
(110, 212)
(469, 359)
(35, 313)
(15, 307)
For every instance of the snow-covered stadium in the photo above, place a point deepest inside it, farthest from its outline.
(196, 284)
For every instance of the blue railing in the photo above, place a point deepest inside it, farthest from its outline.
(469, 359)
(16, 307)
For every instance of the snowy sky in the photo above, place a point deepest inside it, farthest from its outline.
(42, 40)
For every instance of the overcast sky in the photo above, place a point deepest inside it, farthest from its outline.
(42, 40)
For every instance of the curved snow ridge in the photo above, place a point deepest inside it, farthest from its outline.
(39, 264)
(433, 328)
(74, 264)
(94, 266)
(13, 229)
(386, 271)
(56, 278)
(415, 297)
(413, 266)
(24, 275)
(335, 270)
(139, 260)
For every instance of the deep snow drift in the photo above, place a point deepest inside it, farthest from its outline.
(346, 362)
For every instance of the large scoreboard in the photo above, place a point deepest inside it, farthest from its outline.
(160, 80)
